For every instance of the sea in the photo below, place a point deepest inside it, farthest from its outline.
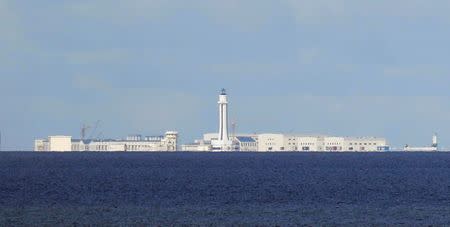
(224, 189)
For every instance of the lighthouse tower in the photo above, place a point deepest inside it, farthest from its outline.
(223, 142)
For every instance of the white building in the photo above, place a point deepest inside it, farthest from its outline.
(305, 143)
(54, 143)
(365, 144)
(246, 143)
(271, 142)
(310, 143)
(168, 142)
(333, 143)
(277, 142)
(197, 146)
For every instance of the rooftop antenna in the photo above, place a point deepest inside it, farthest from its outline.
(233, 128)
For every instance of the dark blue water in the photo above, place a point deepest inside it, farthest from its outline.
(231, 188)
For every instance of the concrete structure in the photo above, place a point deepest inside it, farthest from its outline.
(365, 144)
(223, 143)
(306, 143)
(432, 148)
(310, 143)
(241, 142)
(197, 146)
(271, 142)
(135, 143)
(246, 144)
(277, 142)
(54, 143)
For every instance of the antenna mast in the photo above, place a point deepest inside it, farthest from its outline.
(233, 126)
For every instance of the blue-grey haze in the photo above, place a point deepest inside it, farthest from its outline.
(342, 67)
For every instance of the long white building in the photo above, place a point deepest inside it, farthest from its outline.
(135, 143)
(277, 142)
(319, 143)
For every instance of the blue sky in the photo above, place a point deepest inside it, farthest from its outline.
(344, 67)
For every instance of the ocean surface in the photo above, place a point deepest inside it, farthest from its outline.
(224, 189)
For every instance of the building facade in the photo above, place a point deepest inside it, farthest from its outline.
(135, 143)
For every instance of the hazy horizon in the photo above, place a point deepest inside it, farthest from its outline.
(342, 67)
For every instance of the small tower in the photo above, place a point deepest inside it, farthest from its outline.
(223, 114)
(435, 140)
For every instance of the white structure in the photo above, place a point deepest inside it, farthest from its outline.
(434, 146)
(54, 143)
(223, 143)
(306, 143)
(246, 143)
(197, 146)
(310, 143)
(271, 142)
(168, 142)
(365, 144)
(277, 142)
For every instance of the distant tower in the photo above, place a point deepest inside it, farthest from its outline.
(223, 143)
(435, 140)
(223, 114)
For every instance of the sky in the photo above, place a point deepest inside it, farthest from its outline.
(338, 67)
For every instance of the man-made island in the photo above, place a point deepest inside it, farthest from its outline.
(224, 141)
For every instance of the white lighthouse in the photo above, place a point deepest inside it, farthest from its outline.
(223, 143)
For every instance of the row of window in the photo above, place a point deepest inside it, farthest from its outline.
(363, 144)
(248, 144)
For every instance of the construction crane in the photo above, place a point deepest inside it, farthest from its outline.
(85, 128)
(94, 130)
